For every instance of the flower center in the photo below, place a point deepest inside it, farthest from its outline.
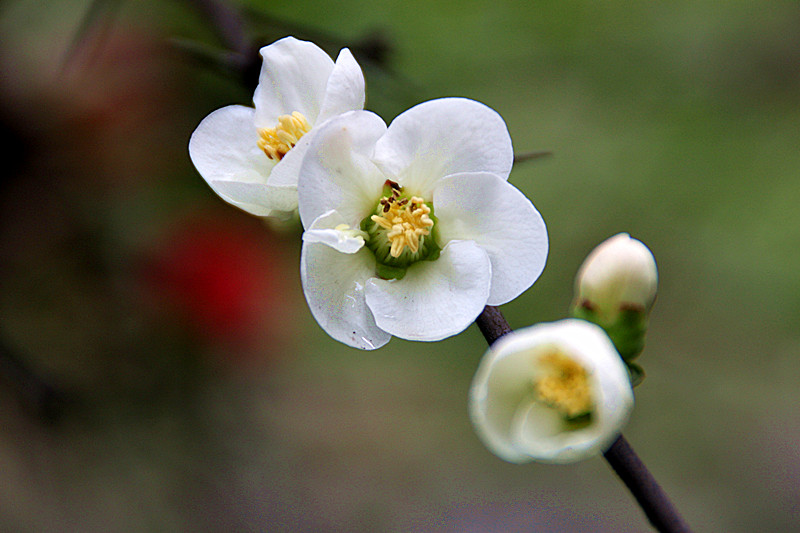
(400, 232)
(277, 141)
(564, 386)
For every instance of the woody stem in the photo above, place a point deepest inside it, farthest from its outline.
(626, 463)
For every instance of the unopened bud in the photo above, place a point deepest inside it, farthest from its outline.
(619, 275)
(615, 288)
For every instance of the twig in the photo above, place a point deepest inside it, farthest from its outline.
(648, 493)
(644, 487)
(36, 393)
(227, 22)
(529, 156)
(492, 324)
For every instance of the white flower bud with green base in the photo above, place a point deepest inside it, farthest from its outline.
(615, 288)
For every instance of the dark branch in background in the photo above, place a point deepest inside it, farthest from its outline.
(373, 47)
(651, 497)
(240, 55)
(36, 393)
(372, 50)
(228, 24)
(96, 22)
(529, 156)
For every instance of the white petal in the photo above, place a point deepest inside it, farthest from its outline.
(257, 198)
(337, 173)
(293, 77)
(435, 299)
(224, 150)
(324, 231)
(345, 89)
(537, 431)
(490, 211)
(333, 284)
(442, 137)
(493, 420)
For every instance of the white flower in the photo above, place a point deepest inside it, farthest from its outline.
(251, 157)
(412, 230)
(554, 393)
(619, 274)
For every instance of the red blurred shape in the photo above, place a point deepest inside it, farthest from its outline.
(227, 279)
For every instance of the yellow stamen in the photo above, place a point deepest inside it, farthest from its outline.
(406, 219)
(564, 385)
(276, 142)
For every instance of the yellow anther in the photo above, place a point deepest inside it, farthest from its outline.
(276, 142)
(564, 385)
(406, 219)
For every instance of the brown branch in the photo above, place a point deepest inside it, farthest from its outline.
(492, 324)
(648, 493)
(644, 487)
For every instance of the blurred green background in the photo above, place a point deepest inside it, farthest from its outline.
(161, 371)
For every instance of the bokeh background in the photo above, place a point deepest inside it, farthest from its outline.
(161, 372)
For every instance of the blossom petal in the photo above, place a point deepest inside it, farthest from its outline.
(442, 137)
(293, 77)
(333, 284)
(224, 150)
(337, 173)
(345, 90)
(256, 198)
(435, 299)
(324, 231)
(486, 209)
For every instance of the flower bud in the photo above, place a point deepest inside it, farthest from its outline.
(620, 274)
(615, 289)
(556, 393)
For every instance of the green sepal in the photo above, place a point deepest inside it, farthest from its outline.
(635, 373)
(627, 332)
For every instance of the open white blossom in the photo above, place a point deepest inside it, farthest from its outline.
(251, 156)
(620, 273)
(555, 392)
(412, 230)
